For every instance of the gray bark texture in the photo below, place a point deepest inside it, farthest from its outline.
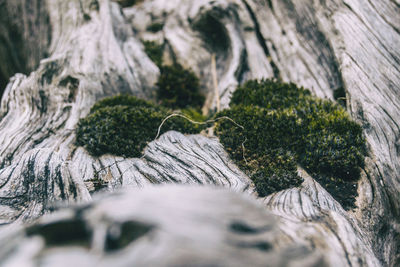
(76, 52)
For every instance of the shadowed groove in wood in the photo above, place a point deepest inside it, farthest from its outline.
(25, 36)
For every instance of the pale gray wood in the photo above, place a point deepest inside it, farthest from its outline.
(95, 51)
(191, 226)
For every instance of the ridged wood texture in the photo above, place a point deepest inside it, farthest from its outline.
(95, 51)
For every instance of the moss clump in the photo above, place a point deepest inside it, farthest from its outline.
(194, 114)
(127, 3)
(334, 145)
(123, 125)
(270, 94)
(121, 100)
(155, 27)
(285, 125)
(265, 134)
(281, 169)
(154, 51)
(179, 88)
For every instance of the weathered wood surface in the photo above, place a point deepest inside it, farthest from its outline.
(96, 51)
(191, 226)
(25, 36)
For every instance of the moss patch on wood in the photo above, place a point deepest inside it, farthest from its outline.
(284, 125)
(154, 51)
(268, 138)
(179, 88)
(123, 125)
(155, 27)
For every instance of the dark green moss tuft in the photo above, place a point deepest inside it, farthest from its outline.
(269, 94)
(194, 114)
(317, 134)
(121, 100)
(155, 27)
(275, 172)
(179, 88)
(123, 125)
(334, 145)
(128, 3)
(154, 51)
(199, 120)
(266, 132)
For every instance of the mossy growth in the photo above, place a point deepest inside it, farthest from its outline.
(194, 114)
(123, 125)
(179, 88)
(154, 51)
(269, 94)
(155, 27)
(128, 3)
(284, 125)
(121, 100)
(281, 169)
(265, 137)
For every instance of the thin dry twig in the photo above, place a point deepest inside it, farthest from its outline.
(203, 123)
(189, 119)
(215, 81)
(194, 122)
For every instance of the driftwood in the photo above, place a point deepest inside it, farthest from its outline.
(83, 50)
(191, 226)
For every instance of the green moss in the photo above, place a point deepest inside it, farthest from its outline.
(123, 125)
(154, 51)
(155, 27)
(334, 145)
(279, 168)
(194, 114)
(179, 88)
(128, 3)
(270, 94)
(121, 100)
(266, 132)
(317, 134)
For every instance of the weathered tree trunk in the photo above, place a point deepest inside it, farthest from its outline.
(94, 50)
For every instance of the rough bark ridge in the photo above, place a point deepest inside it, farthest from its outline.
(95, 51)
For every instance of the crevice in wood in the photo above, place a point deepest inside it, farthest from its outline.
(262, 40)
